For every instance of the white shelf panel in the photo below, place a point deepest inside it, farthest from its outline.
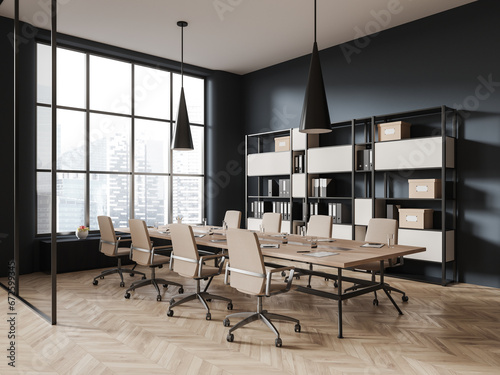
(431, 240)
(269, 163)
(329, 159)
(414, 153)
(299, 185)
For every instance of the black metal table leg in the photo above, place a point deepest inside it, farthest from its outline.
(339, 291)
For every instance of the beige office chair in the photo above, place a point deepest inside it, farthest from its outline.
(247, 274)
(232, 219)
(377, 231)
(319, 226)
(271, 222)
(186, 261)
(109, 245)
(144, 254)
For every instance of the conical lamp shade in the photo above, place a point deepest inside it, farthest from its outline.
(315, 116)
(182, 134)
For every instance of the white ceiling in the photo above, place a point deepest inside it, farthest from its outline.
(237, 36)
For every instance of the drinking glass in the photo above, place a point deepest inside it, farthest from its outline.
(390, 240)
(314, 242)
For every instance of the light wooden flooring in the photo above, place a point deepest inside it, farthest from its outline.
(444, 330)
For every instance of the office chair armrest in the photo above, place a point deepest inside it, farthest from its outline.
(209, 257)
(281, 269)
(226, 275)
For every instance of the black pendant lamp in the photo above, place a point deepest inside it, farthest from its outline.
(182, 140)
(315, 116)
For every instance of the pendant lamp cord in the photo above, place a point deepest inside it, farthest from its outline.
(182, 56)
(314, 21)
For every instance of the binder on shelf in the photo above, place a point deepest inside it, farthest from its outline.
(324, 184)
(365, 160)
(315, 187)
(332, 211)
(284, 188)
(272, 188)
(313, 208)
(298, 164)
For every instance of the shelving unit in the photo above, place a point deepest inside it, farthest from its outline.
(365, 189)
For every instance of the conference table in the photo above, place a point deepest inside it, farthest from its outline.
(334, 253)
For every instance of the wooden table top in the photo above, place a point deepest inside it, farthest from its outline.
(339, 253)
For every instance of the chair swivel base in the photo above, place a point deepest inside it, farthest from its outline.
(263, 315)
(154, 282)
(203, 297)
(119, 271)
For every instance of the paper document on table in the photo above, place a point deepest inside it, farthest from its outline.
(320, 254)
(372, 244)
(325, 240)
(199, 235)
(217, 240)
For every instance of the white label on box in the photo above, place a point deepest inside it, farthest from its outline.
(422, 188)
(412, 218)
(282, 144)
(389, 131)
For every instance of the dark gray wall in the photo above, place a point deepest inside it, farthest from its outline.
(444, 59)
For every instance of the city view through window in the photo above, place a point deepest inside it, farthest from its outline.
(114, 125)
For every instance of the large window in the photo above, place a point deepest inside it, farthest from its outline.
(114, 127)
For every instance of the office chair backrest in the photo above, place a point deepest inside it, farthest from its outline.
(244, 254)
(378, 229)
(233, 219)
(271, 222)
(320, 226)
(184, 246)
(108, 236)
(140, 239)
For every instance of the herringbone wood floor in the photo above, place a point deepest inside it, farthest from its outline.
(444, 330)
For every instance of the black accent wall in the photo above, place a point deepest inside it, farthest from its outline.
(451, 58)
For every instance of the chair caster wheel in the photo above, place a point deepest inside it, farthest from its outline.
(230, 306)
(283, 273)
(226, 322)
(101, 277)
(170, 312)
(297, 277)
(405, 298)
(181, 290)
(208, 316)
(122, 285)
(132, 274)
(278, 343)
(309, 286)
(230, 337)
(286, 279)
(375, 302)
(335, 284)
(297, 327)
(127, 295)
(144, 277)
(209, 300)
(158, 298)
(165, 286)
(95, 282)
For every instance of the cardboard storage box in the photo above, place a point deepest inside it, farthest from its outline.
(426, 188)
(282, 143)
(392, 131)
(416, 218)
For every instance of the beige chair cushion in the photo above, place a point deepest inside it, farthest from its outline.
(245, 254)
(377, 231)
(107, 234)
(233, 219)
(184, 246)
(271, 222)
(320, 226)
